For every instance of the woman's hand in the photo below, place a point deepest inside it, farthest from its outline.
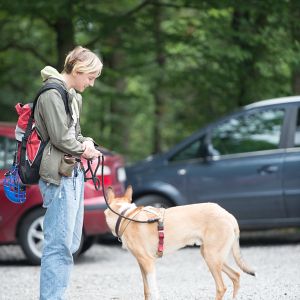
(89, 150)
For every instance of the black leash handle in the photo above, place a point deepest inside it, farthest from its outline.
(151, 220)
(93, 177)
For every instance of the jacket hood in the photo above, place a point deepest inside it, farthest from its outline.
(49, 72)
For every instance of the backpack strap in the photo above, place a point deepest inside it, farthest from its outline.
(51, 86)
(44, 88)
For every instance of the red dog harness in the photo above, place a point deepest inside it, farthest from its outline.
(160, 226)
(161, 236)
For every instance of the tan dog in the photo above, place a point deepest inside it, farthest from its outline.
(205, 224)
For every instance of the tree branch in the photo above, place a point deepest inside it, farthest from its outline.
(29, 49)
(172, 5)
(134, 10)
(126, 15)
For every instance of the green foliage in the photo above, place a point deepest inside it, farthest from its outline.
(169, 66)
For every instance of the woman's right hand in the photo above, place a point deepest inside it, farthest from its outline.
(90, 152)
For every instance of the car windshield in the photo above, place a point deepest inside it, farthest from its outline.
(7, 150)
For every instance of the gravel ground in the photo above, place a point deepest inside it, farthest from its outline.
(107, 271)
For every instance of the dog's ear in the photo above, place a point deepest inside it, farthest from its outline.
(110, 194)
(128, 193)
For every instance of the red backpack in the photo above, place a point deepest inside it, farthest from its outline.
(30, 145)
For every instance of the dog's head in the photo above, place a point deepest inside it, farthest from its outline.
(118, 204)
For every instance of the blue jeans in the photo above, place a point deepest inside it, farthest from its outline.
(62, 233)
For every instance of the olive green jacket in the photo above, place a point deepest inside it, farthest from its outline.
(53, 124)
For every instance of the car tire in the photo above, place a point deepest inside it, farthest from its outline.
(107, 239)
(87, 243)
(31, 236)
(153, 200)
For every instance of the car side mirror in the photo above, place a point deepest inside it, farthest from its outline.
(208, 152)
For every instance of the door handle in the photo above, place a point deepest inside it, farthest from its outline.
(268, 169)
(181, 171)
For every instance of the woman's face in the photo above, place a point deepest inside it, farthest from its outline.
(84, 80)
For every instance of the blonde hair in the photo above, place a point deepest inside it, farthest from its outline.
(82, 60)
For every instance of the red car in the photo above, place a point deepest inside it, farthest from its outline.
(22, 223)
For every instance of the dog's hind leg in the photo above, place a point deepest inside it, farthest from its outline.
(234, 276)
(147, 266)
(215, 265)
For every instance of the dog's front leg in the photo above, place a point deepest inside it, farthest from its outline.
(147, 266)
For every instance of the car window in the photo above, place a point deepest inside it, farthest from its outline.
(255, 131)
(7, 150)
(297, 132)
(191, 151)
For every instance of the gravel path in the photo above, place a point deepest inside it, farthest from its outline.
(109, 272)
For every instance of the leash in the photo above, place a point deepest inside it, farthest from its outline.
(159, 220)
(97, 185)
(93, 177)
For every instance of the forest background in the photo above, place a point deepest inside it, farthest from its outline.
(170, 66)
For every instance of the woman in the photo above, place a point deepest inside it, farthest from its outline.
(62, 178)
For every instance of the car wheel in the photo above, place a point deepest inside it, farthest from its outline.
(107, 238)
(31, 236)
(153, 200)
(79, 250)
(87, 244)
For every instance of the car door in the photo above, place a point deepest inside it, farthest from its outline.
(174, 172)
(8, 210)
(291, 169)
(244, 173)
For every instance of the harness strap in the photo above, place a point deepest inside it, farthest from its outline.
(117, 228)
(161, 235)
(160, 228)
(151, 210)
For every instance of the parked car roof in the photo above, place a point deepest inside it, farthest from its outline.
(282, 100)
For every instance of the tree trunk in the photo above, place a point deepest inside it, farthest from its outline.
(295, 28)
(65, 40)
(118, 105)
(296, 82)
(248, 72)
(158, 86)
(65, 33)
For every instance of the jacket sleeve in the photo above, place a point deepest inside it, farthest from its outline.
(78, 99)
(82, 139)
(52, 111)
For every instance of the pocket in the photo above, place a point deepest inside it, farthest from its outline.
(67, 166)
(45, 189)
(45, 162)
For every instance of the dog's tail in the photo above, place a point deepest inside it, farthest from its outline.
(238, 258)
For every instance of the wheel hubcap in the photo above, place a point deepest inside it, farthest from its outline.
(36, 237)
